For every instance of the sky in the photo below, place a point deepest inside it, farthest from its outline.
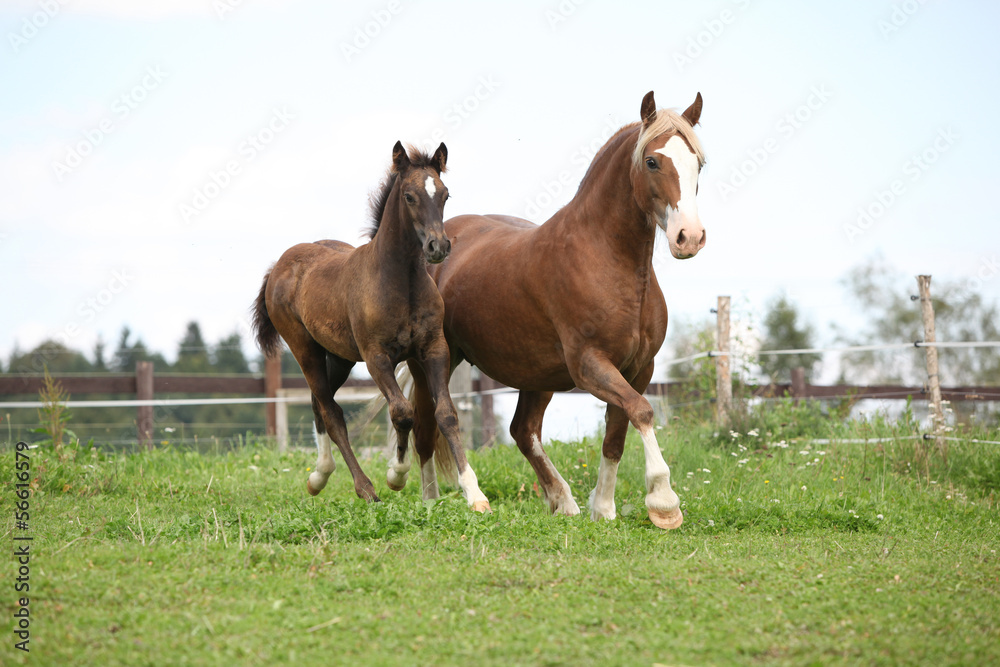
(156, 158)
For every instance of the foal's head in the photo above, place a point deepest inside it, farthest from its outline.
(421, 198)
(666, 164)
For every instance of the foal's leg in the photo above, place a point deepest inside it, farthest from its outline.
(312, 360)
(383, 372)
(337, 371)
(526, 429)
(446, 417)
(602, 498)
(594, 373)
(425, 432)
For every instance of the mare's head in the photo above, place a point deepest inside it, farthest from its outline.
(421, 198)
(665, 168)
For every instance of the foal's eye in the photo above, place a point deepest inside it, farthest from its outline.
(651, 163)
(410, 199)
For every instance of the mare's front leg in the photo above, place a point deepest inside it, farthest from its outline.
(383, 372)
(594, 373)
(436, 372)
(602, 498)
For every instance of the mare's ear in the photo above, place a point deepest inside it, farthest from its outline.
(693, 112)
(648, 110)
(440, 159)
(400, 161)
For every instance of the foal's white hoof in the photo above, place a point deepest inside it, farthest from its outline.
(314, 486)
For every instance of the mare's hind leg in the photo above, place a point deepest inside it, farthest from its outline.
(526, 429)
(425, 432)
(602, 498)
(312, 360)
(446, 417)
(337, 371)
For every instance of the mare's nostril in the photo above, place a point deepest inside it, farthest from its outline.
(681, 238)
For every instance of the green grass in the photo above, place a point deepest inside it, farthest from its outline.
(805, 554)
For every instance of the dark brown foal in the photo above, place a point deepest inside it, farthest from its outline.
(336, 305)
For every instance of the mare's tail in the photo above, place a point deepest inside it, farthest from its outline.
(267, 336)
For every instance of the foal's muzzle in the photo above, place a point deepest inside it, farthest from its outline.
(437, 249)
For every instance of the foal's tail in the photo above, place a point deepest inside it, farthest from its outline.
(267, 336)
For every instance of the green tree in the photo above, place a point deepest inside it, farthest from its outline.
(228, 355)
(784, 330)
(51, 354)
(960, 314)
(128, 353)
(192, 353)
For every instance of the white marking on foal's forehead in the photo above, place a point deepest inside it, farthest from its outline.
(429, 186)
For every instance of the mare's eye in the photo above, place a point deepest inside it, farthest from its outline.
(410, 199)
(651, 163)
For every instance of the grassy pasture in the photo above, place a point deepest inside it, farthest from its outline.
(791, 553)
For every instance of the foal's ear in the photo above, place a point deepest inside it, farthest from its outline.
(693, 112)
(400, 160)
(648, 110)
(440, 159)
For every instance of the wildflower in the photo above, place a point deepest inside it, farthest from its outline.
(690, 474)
(709, 482)
(753, 433)
(803, 487)
(804, 452)
(782, 444)
(767, 481)
(710, 523)
(739, 500)
(879, 517)
(705, 470)
(734, 434)
(775, 500)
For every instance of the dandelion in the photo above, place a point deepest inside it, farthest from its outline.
(767, 481)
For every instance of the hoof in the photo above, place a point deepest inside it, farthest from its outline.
(395, 481)
(666, 520)
(310, 489)
(482, 506)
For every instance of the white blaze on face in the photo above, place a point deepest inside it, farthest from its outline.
(429, 186)
(686, 164)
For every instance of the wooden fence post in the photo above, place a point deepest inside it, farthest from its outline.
(723, 379)
(272, 383)
(144, 392)
(798, 383)
(486, 409)
(933, 381)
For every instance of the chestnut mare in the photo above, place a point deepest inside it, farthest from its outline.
(574, 302)
(336, 305)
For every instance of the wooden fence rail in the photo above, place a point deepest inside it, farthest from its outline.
(144, 384)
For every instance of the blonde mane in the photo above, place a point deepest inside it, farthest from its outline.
(667, 120)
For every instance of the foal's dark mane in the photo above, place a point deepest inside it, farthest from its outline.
(379, 198)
